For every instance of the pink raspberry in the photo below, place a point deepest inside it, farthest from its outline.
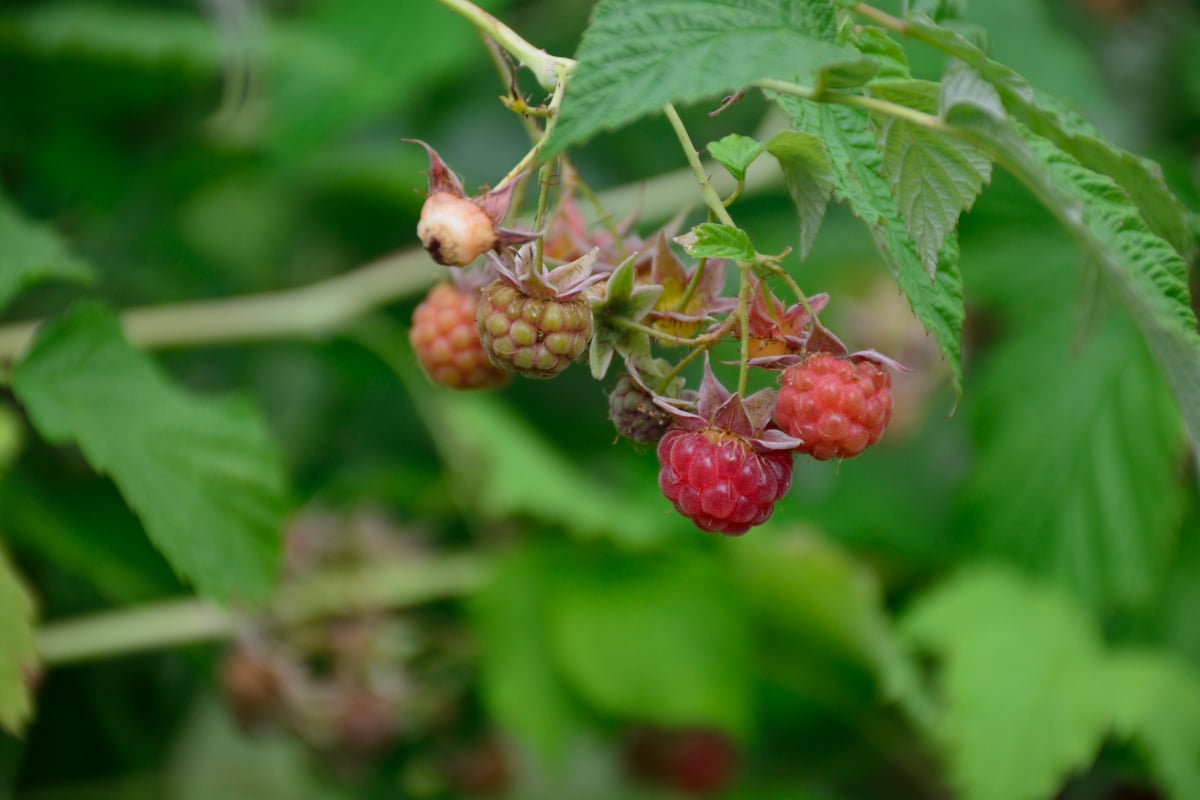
(718, 479)
(447, 343)
(837, 406)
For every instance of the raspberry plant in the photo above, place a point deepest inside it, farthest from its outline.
(874, 221)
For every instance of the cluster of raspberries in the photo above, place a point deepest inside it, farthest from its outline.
(725, 459)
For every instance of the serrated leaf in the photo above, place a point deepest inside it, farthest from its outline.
(523, 689)
(1139, 177)
(933, 177)
(1077, 473)
(808, 176)
(18, 650)
(845, 75)
(638, 55)
(736, 153)
(1156, 703)
(714, 240)
(202, 474)
(655, 639)
(31, 253)
(858, 182)
(1145, 272)
(1023, 673)
(875, 44)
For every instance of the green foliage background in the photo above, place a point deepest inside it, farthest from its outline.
(998, 602)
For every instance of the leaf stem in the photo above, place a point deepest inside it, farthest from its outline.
(711, 198)
(531, 157)
(866, 102)
(710, 339)
(546, 68)
(743, 316)
(176, 622)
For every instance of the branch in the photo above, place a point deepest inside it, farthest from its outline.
(335, 593)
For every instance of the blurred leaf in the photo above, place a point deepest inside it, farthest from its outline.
(514, 471)
(638, 55)
(81, 537)
(808, 176)
(806, 586)
(213, 757)
(655, 640)
(31, 253)
(859, 182)
(934, 177)
(736, 153)
(522, 687)
(18, 651)
(10, 437)
(202, 474)
(1022, 671)
(1079, 457)
(1156, 702)
(507, 468)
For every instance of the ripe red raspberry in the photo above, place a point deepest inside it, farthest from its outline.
(447, 343)
(719, 481)
(837, 406)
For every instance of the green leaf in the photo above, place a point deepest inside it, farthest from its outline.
(18, 651)
(623, 301)
(811, 589)
(658, 640)
(203, 475)
(713, 240)
(638, 55)
(1141, 178)
(1156, 703)
(522, 686)
(32, 253)
(1023, 674)
(934, 177)
(875, 44)
(736, 153)
(858, 182)
(808, 176)
(1078, 459)
(845, 75)
(1144, 271)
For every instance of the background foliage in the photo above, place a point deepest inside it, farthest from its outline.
(997, 603)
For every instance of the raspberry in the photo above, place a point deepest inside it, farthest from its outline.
(634, 414)
(719, 481)
(447, 343)
(454, 230)
(693, 761)
(535, 336)
(837, 406)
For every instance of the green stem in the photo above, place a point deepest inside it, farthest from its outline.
(545, 67)
(885, 107)
(710, 339)
(697, 275)
(531, 157)
(743, 316)
(711, 198)
(661, 336)
(321, 596)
